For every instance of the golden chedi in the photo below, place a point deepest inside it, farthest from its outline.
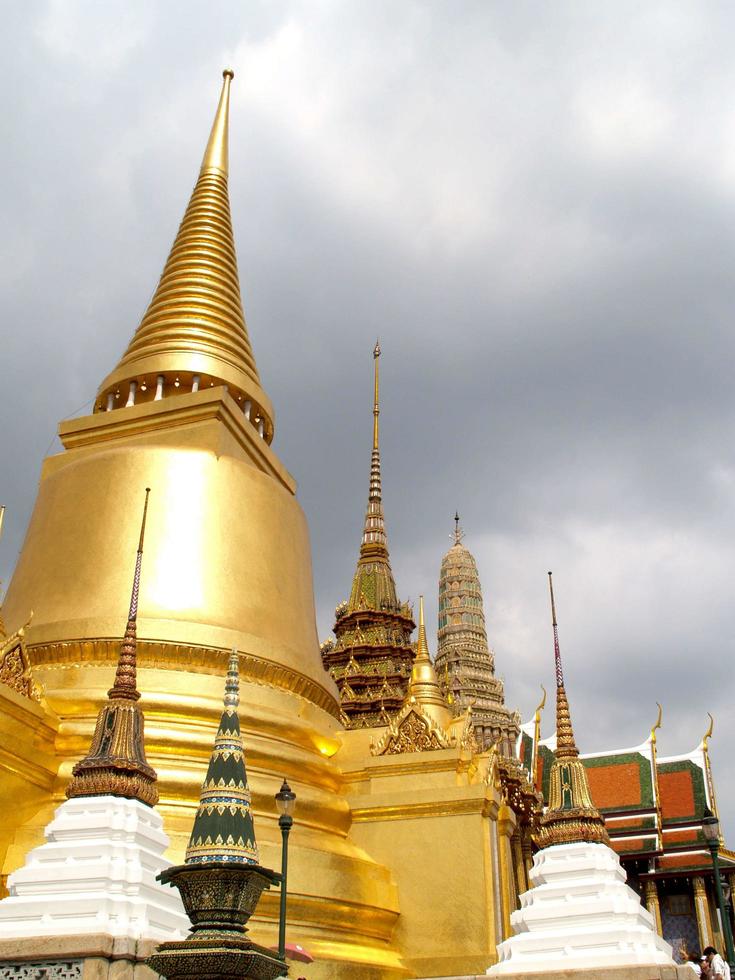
(184, 412)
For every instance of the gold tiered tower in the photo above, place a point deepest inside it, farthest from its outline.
(184, 413)
(464, 662)
(372, 656)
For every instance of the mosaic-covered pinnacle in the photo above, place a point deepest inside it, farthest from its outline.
(223, 827)
(116, 764)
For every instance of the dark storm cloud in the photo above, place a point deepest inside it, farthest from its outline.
(533, 206)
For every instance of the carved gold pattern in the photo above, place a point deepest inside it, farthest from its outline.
(412, 731)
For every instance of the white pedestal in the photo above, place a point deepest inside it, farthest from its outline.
(579, 914)
(95, 874)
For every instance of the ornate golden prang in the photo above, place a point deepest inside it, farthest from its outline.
(116, 762)
(571, 815)
(464, 662)
(16, 671)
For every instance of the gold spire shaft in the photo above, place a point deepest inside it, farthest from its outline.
(216, 154)
(376, 399)
(374, 541)
(126, 675)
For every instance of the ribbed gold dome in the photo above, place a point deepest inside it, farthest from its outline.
(193, 333)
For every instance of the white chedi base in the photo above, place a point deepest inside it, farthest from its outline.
(580, 914)
(95, 874)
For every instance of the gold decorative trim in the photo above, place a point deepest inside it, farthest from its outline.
(155, 654)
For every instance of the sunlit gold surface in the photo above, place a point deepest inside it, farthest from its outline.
(228, 565)
(433, 819)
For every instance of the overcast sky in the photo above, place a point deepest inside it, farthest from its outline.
(532, 205)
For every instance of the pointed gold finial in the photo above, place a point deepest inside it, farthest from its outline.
(542, 702)
(535, 775)
(659, 721)
(216, 154)
(708, 734)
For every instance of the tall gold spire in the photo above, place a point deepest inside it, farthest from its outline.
(571, 815)
(374, 541)
(116, 762)
(193, 334)
(423, 687)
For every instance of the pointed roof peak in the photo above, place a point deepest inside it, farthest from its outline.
(216, 153)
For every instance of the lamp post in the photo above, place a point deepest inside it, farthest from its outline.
(285, 803)
(711, 831)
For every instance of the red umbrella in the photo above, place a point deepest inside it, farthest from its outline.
(295, 951)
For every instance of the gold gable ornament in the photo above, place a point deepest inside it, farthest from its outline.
(16, 671)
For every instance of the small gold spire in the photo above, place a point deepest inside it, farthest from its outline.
(216, 154)
(424, 688)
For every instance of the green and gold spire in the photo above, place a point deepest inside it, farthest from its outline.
(223, 827)
(372, 656)
(116, 762)
(571, 816)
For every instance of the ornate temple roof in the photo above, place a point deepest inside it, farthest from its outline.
(193, 334)
(653, 806)
(223, 827)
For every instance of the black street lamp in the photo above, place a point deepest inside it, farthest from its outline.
(285, 803)
(711, 831)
